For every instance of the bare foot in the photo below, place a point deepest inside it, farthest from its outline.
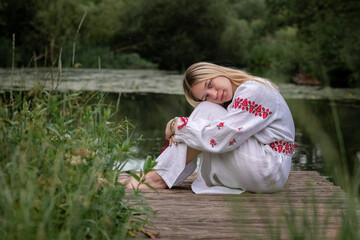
(152, 178)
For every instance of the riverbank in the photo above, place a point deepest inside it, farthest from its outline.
(139, 81)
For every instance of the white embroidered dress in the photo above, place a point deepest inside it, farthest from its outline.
(247, 146)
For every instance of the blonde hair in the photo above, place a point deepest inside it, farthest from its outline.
(202, 71)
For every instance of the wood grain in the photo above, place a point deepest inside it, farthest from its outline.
(307, 204)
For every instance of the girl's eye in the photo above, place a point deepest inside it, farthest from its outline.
(210, 84)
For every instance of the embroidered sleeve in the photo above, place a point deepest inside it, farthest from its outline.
(253, 108)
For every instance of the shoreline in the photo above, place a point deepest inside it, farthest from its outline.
(139, 81)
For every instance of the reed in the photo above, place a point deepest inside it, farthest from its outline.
(57, 179)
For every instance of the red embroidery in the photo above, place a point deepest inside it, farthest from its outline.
(240, 128)
(251, 107)
(232, 142)
(283, 147)
(164, 145)
(220, 125)
(185, 121)
(212, 142)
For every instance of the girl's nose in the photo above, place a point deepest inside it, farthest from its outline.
(213, 94)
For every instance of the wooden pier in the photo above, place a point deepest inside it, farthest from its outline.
(309, 205)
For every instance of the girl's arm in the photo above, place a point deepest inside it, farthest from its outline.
(253, 108)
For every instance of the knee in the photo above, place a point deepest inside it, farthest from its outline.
(208, 110)
(207, 104)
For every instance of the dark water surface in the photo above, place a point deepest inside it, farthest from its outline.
(316, 135)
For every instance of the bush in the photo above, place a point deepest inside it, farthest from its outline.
(93, 56)
(235, 41)
(276, 56)
(330, 33)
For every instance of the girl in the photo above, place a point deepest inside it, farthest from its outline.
(241, 127)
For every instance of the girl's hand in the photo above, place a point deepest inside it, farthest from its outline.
(170, 130)
(171, 141)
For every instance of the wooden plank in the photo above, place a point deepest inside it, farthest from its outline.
(307, 197)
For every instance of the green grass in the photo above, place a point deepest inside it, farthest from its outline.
(56, 168)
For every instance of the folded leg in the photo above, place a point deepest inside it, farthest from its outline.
(176, 163)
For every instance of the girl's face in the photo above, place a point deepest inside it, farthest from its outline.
(217, 90)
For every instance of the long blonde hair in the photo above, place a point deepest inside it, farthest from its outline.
(202, 71)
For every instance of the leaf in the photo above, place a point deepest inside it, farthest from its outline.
(119, 165)
(126, 145)
(9, 122)
(149, 164)
(68, 122)
(54, 131)
(151, 187)
(9, 164)
(134, 175)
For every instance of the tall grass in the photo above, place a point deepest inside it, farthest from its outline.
(56, 168)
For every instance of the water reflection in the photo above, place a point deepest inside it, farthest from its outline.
(318, 138)
(315, 127)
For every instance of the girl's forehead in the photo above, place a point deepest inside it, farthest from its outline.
(198, 89)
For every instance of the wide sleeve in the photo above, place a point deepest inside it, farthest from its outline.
(253, 108)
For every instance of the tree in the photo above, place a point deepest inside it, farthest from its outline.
(175, 34)
(329, 29)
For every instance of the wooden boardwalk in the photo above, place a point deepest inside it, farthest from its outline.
(308, 204)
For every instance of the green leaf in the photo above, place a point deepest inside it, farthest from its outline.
(151, 187)
(149, 164)
(54, 131)
(134, 175)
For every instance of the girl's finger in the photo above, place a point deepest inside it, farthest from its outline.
(171, 141)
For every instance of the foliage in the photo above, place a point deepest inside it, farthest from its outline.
(276, 56)
(247, 34)
(91, 56)
(56, 168)
(235, 42)
(64, 15)
(331, 33)
(174, 34)
(249, 10)
(17, 16)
